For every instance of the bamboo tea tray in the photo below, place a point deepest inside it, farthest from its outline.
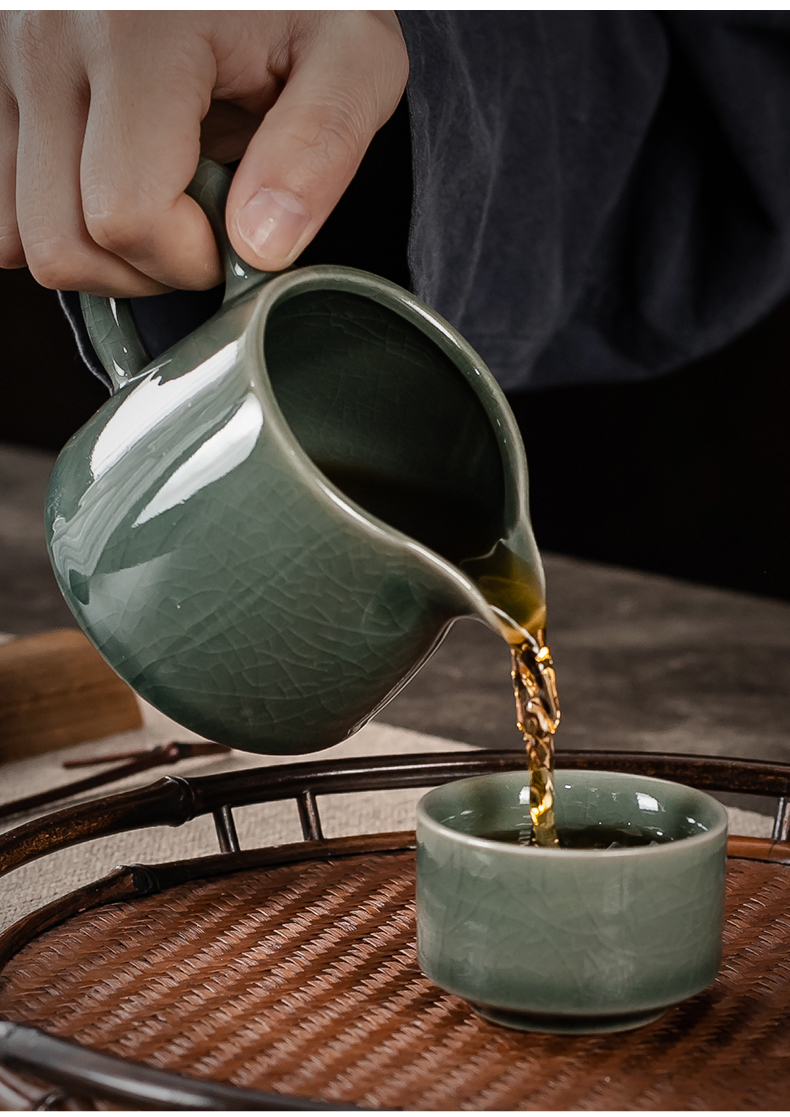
(286, 978)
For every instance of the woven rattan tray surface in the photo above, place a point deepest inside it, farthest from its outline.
(293, 972)
(302, 979)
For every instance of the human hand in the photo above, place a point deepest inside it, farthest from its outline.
(103, 116)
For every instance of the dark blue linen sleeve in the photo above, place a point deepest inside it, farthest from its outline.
(599, 196)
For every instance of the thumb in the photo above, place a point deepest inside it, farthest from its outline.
(340, 91)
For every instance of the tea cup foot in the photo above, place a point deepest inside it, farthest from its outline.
(567, 1025)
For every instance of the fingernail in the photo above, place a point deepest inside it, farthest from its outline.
(271, 223)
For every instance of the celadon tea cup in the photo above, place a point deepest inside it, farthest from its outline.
(571, 940)
(267, 529)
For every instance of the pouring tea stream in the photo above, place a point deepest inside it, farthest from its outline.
(268, 529)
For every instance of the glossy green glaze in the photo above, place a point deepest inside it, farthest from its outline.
(567, 940)
(197, 536)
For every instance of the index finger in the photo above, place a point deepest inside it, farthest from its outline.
(141, 149)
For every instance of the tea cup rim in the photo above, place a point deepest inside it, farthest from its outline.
(713, 833)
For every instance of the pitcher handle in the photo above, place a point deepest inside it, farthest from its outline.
(110, 322)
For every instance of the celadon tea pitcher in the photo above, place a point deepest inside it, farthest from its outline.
(268, 529)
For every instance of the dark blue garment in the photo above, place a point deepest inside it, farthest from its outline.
(598, 196)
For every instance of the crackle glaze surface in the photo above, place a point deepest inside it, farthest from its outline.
(571, 933)
(203, 549)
